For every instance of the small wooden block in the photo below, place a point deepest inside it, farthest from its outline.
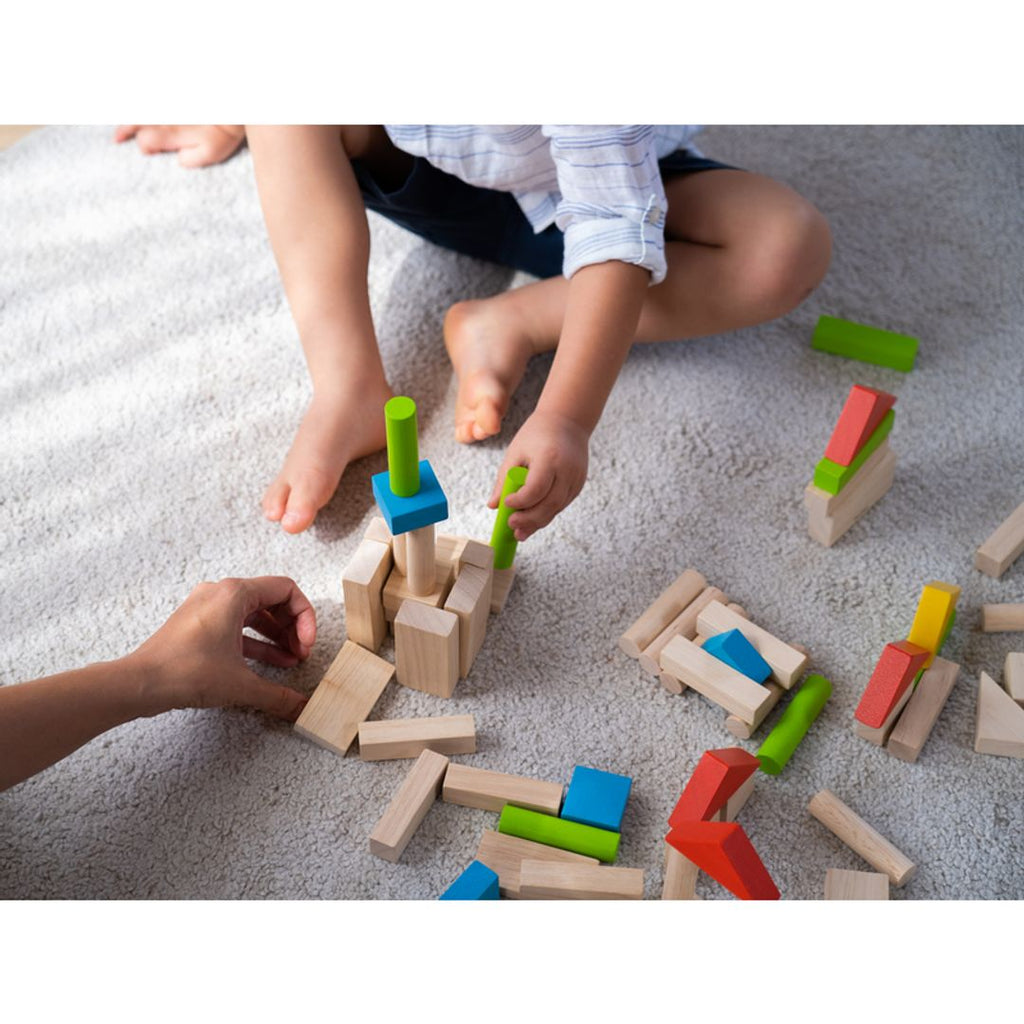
(856, 885)
(503, 579)
(477, 882)
(378, 530)
(722, 850)
(935, 609)
(490, 791)
(1002, 618)
(863, 412)
(899, 664)
(409, 737)
(362, 584)
(681, 873)
(926, 703)
(552, 880)
(421, 557)
(718, 775)
(999, 552)
(448, 548)
(470, 600)
(397, 590)
(427, 648)
(669, 603)
(880, 736)
(409, 806)
(505, 854)
(344, 698)
(684, 624)
(714, 679)
(822, 505)
(1013, 676)
(1000, 724)
(475, 552)
(787, 663)
(852, 503)
(744, 730)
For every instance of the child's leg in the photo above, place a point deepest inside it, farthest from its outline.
(741, 249)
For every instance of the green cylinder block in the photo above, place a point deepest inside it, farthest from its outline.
(503, 540)
(560, 832)
(403, 446)
(791, 728)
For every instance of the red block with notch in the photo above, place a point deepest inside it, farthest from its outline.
(895, 671)
(722, 850)
(864, 410)
(719, 773)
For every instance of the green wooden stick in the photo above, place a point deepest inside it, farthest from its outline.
(868, 344)
(403, 446)
(791, 728)
(560, 832)
(503, 540)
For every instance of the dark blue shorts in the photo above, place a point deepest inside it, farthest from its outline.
(483, 222)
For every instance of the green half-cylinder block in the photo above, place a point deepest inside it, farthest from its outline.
(403, 446)
(503, 540)
(791, 728)
(832, 477)
(868, 344)
(560, 832)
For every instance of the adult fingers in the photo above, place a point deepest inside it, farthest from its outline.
(270, 654)
(280, 701)
(282, 595)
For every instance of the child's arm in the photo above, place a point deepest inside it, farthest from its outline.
(600, 324)
(196, 659)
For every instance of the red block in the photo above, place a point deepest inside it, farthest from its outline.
(719, 773)
(895, 671)
(722, 850)
(865, 408)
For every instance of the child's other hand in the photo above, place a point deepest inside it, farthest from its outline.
(555, 450)
(197, 658)
(197, 145)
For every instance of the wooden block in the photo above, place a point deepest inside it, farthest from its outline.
(684, 624)
(344, 698)
(714, 679)
(669, 603)
(787, 663)
(399, 550)
(862, 413)
(723, 851)
(863, 492)
(505, 854)
(409, 806)
(476, 552)
(855, 885)
(926, 702)
(420, 548)
(490, 791)
(362, 584)
(670, 683)
(1013, 676)
(448, 548)
(999, 552)
(503, 579)
(717, 776)
(378, 530)
(738, 800)
(880, 736)
(861, 837)
(831, 477)
(680, 882)
(470, 600)
(397, 590)
(409, 737)
(899, 664)
(427, 648)
(822, 504)
(1000, 723)
(935, 610)
(744, 730)
(1002, 618)
(552, 880)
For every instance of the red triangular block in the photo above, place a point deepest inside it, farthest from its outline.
(895, 671)
(719, 773)
(864, 410)
(722, 850)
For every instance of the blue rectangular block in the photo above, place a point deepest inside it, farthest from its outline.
(477, 882)
(736, 650)
(428, 505)
(596, 798)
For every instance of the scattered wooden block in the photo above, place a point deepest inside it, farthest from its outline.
(744, 730)
(868, 344)
(1013, 676)
(861, 837)
(503, 580)
(880, 736)
(862, 413)
(477, 882)
(1002, 618)
(830, 476)
(470, 600)
(344, 698)
(409, 806)
(999, 727)
(409, 737)
(680, 882)
(718, 775)
(397, 591)
(490, 791)
(856, 885)
(567, 835)
(846, 509)
(934, 613)
(362, 584)
(427, 648)
(927, 700)
(899, 664)
(684, 624)
(1001, 550)
(669, 603)
(505, 855)
(551, 880)
(723, 851)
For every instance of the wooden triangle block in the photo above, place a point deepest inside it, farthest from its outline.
(895, 671)
(719, 773)
(722, 850)
(864, 410)
(1000, 725)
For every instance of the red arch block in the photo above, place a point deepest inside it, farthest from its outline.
(722, 850)
(719, 773)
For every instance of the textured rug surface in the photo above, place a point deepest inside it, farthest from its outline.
(151, 384)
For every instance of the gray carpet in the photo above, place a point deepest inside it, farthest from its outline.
(152, 382)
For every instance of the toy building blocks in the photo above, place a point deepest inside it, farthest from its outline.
(899, 664)
(830, 517)
(934, 617)
(552, 880)
(491, 791)
(684, 624)
(505, 855)
(866, 344)
(596, 798)
(1013, 675)
(880, 736)
(416, 795)
(926, 702)
(680, 878)
(999, 727)
(723, 851)
(503, 540)
(362, 583)
(744, 730)
(1002, 618)
(832, 477)
(552, 831)
(805, 706)
(477, 882)
(718, 775)
(470, 600)
(736, 650)
(671, 602)
(862, 414)
(1003, 548)
(427, 648)
(409, 737)
(856, 885)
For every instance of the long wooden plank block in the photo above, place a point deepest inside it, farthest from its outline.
(923, 709)
(505, 854)
(409, 737)
(744, 730)
(668, 604)
(856, 885)
(880, 736)
(470, 600)
(550, 880)
(409, 806)
(1003, 547)
(490, 791)
(866, 489)
(684, 624)
(362, 583)
(823, 504)
(1002, 618)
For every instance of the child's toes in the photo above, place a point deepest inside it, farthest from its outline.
(309, 494)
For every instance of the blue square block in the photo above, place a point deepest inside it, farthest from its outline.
(477, 882)
(736, 650)
(596, 798)
(428, 505)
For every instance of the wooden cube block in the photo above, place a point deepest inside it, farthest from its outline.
(362, 584)
(999, 552)
(505, 854)
(409, 737)
(922, 711)
(999, 727)
(409, 806)
(427, 648)
(856, 885)
(470, 600)
(448, 548)
(490, 791)
(552, 880)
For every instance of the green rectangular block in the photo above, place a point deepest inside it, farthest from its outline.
(560, 832)
(832, 477)
(868, 344)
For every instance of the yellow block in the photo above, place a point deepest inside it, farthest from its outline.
(934, 610)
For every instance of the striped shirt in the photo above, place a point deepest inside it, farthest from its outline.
(599, 183)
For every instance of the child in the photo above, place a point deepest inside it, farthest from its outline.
(634, 235)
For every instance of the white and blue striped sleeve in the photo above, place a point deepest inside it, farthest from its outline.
(613, 202)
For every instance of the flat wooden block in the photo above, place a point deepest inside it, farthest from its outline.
(714, 679)
(853, 502)
(666, 606)
(923, 709)
(505, 854)
(1003, 548)
(893, 675)
(427, 648)
(409, 737)
(554, 880)
(744, 730)
(344, 698)
(470, 600)
(1002, 618)
(503, 580)
(999, 727)
(490, 791)
(684, 624)
(1013, 676)
(397, 590)
(409, 806)
(362, 584)
(448, 549)
(787, 662)
(680, 881)
(856, 885)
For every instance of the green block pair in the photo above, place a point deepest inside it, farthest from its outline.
(868, 344)
(560, 832)
(832, 477)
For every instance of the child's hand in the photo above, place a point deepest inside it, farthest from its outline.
(197, 658)
(197, 145)
(555, 450)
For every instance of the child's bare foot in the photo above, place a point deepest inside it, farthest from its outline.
(197, 145)
(336, 430)
(489, 347)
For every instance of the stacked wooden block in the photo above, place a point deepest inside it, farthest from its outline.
(858, 467)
